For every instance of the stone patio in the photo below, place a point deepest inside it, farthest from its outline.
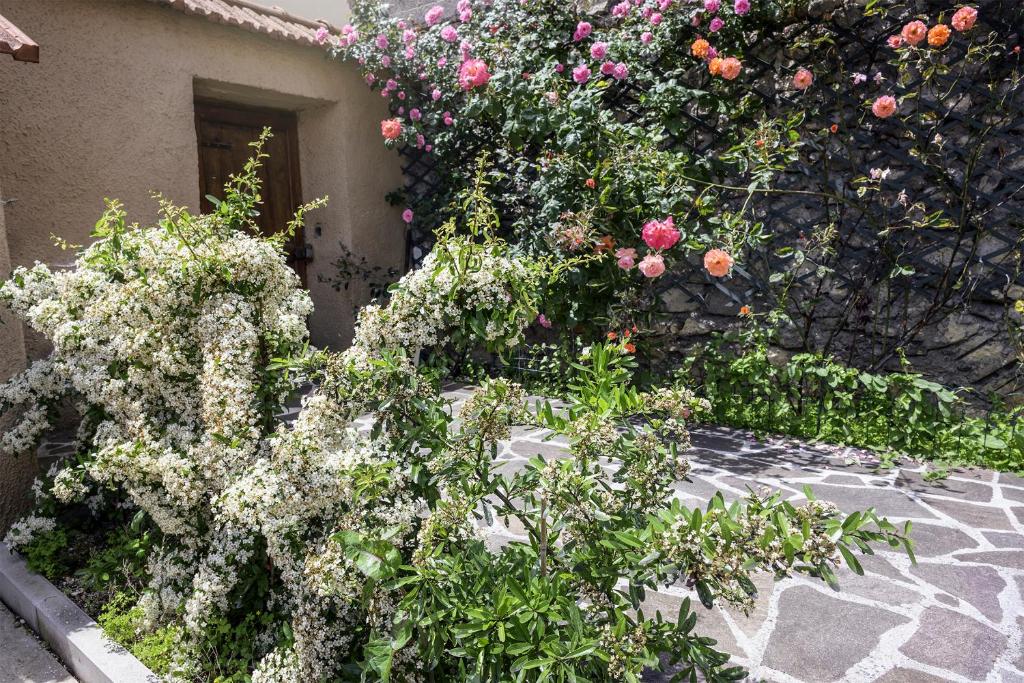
(958, 615)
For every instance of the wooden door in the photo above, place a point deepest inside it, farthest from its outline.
(224, 133)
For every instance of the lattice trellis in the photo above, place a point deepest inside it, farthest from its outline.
(962, 278)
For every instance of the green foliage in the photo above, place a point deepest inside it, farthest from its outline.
(817, 397)
(46, 553)
(121, 619)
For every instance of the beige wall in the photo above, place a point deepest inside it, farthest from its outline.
(16, 472)
(108, 111)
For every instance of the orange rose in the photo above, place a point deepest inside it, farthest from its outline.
(731, 68)
(718, 262)
(715, 66)
(744, 310)
(914, 32)
(938, 35)
(699, 48)
(630, 348)
(612, 336)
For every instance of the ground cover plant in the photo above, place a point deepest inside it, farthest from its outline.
(346, 545)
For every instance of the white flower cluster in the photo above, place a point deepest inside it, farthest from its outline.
(23, 531)
(167, 333)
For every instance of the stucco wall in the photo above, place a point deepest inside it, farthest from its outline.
(16, 472)
(109, 112)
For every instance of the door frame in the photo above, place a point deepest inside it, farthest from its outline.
(258, 117)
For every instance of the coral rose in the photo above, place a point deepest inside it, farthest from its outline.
(699, 48)
(730, 68)
(964, 18)
(718, 262)
(884, 106)
(802, 79)
(652, 265)
(660, 234)
(914, 32)
(391, 129)
(473, 74)
(895, 41)
(938, 35)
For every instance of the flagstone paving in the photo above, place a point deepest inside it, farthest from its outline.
(957, 615)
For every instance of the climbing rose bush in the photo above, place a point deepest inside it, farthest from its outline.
(531, 85)
(353, 540)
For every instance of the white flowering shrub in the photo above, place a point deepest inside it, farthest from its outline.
(348, 544)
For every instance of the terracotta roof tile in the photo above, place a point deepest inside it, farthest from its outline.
(250, 16)
(14, 42)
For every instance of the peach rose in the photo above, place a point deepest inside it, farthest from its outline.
(718, 262)
(938, 35)
(391, 129)
(652, 265)
(884, 106)
(731, 68)
(802, 79)
(895, 41)
(964, 18)
(715, 66)
(914, 32)
(700, 48)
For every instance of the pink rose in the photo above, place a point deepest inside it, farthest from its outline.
(895, 41)
(607, 68)
(884, 106)
(626, 258)
(652, 265)
(583, 29)
(716, 25)
(436, 94)
(449, 34)
(473, 74)
(914, 32)
(656, 18)
(621, 10)
(964, 18)
(321, 35)
(660, 235)
(543, 321)
(581, 74)
(408, 36)
(407, 215)
(802, 79)
(559, 68)
(434, 15)
(382, 41)
(415, 114)
(621, 72)
(598, 50)
(646, 37)
(741, 7)
(712, 6)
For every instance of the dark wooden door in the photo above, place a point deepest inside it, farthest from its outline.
(224, 133)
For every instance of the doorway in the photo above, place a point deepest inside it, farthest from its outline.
(224, 132)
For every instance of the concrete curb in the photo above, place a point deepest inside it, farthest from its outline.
(74, 636)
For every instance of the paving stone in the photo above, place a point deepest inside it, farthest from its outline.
(955, 642)
(817, 637)
(875, 564)
(1005, 539)
(1002, 558)
(876, 588)
(901, 675)
(530, 449)
(979, 586)
(887, 502)
(1020, 627)
(1011, 479)
(751, 623)
(710, 623)
(974, 516)
(1016, 495)
(950, 488)
(931, 540)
